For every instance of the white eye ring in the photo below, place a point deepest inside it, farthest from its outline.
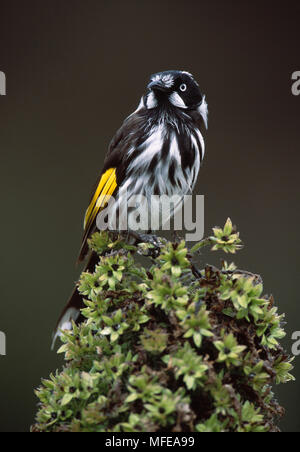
(183, 87)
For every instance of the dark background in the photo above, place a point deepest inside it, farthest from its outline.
(75, 70)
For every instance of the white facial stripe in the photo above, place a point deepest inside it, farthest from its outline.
(151, 101)
(203, 110)
(176, 100)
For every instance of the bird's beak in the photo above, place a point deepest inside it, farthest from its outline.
(157, 86)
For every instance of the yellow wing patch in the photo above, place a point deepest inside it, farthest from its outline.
(105, 189)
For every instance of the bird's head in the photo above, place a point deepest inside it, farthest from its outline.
(175, 89)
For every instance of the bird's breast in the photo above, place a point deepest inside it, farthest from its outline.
(166, 161)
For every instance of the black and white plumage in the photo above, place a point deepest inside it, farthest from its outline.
(157, 151)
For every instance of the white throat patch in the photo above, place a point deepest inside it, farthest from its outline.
(151, 101)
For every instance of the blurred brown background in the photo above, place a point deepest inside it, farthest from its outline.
(75, 69)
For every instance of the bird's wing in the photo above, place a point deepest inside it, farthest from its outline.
(112, 176)
(107, 186)
(105, 189)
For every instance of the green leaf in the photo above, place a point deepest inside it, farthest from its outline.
(176, 271)
(66, 399)
(107, 320)
(131, 398)
(63, 349)
(189, 380)
(106, 331)
(197, 339)
(114, 336)
(228, 227)
(157, 353)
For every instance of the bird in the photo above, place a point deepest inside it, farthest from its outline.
(157, 151)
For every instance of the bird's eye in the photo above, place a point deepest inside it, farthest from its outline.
(183, 87)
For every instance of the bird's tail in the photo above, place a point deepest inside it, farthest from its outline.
(72, 310)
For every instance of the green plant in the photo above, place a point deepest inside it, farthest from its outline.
(168, 347)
